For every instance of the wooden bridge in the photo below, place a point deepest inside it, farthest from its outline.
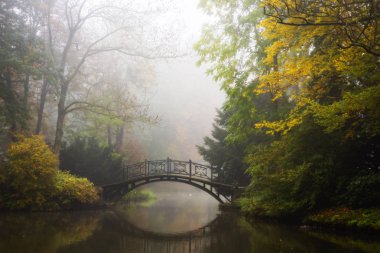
(204, 177)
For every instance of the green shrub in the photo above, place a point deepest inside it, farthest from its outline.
(86, 157)
(363, 191)
(31, 180)
(74, 192)
(29, 174)
(359, 218)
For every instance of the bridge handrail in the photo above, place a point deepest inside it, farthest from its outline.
(171, 167)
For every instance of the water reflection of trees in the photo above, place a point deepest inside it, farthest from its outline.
(229, 233)
(45, 232)
(108, 232)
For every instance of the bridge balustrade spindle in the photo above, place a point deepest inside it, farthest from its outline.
(145, 162)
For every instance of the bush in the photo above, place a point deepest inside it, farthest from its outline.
(359, 218)
(74, 192)
(29, 174)
(363, 191)
(86, 157)
(31, 180)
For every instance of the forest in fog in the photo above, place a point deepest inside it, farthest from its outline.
(96, 79)
(88, 85)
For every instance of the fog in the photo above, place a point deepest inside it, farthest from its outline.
(177, 208)
(183, 96)
(185, 100)
(121, 72)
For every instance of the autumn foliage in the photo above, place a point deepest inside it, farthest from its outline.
(31, 180)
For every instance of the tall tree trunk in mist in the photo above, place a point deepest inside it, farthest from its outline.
(119, 139)
(44, 90)
(109, 136)
(26, 90)
(60, 117)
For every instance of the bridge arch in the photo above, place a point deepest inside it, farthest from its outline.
(198, 175)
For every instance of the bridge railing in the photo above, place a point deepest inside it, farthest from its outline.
(169, 166)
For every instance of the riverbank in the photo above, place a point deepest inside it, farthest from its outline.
(336, 219)
(345, 218)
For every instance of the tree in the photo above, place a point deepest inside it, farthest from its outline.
(20, 60)
(352, 22)
(227, 158)
(109, 106)
(317, 74)
(302, 98)
(73, 43)
(85, 157)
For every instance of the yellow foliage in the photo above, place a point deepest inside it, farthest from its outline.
(31, 180)
(74, 191)
(308, 63)
(29, 173)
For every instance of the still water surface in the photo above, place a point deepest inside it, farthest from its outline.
(181, 219)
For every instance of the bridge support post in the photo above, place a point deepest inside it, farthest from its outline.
(145, 167)
(190, 170)
(168, 165)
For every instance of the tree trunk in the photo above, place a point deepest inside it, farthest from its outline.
(26, 91)
(44, 90)
(11, 104)
(119, 139)
(60, 118)
(109, 136)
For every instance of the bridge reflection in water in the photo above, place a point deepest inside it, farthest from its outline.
(137, 240)
(106, 232)
(184, 245)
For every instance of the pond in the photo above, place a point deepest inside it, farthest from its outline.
(178, 219)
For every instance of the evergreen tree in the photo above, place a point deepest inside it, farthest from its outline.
(227, 158)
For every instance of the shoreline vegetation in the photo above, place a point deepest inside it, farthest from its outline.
(339, 219)
(30, 180)
(301, 110)
(344, 218)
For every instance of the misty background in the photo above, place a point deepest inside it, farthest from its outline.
(183, 96)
